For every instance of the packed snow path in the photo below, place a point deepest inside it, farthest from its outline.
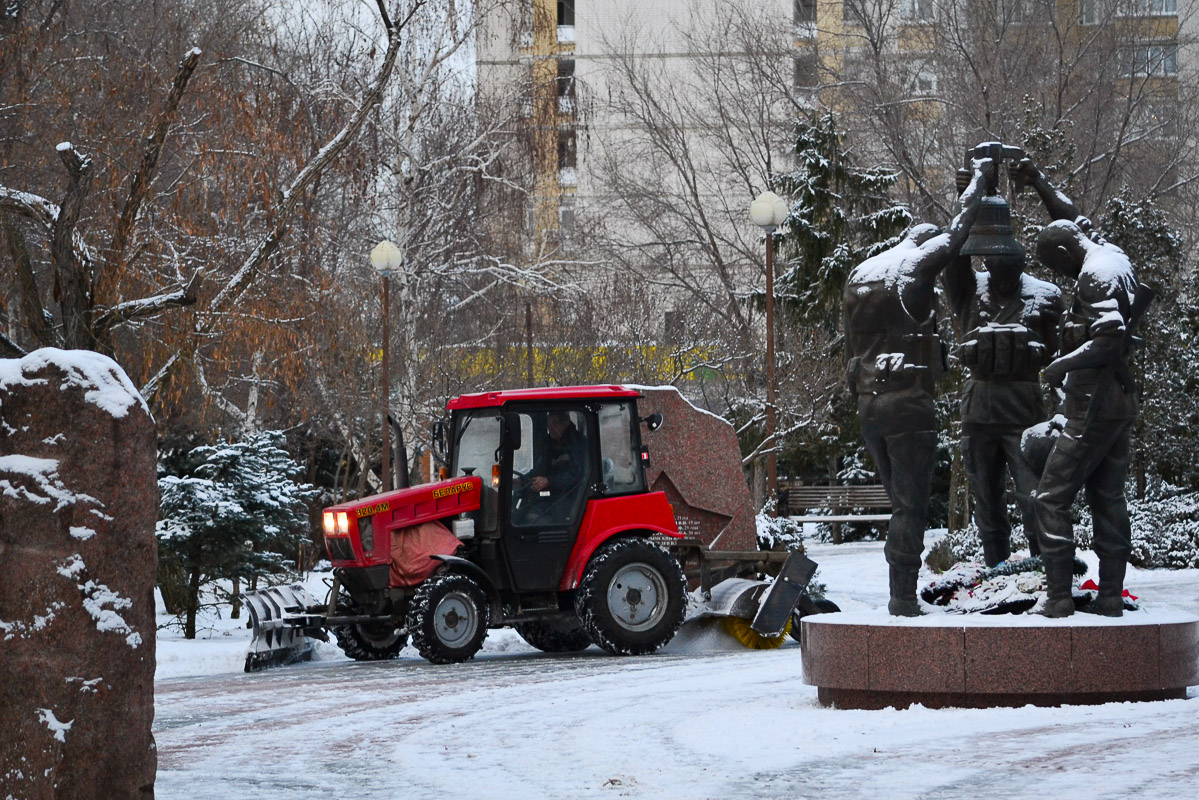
(703, 720)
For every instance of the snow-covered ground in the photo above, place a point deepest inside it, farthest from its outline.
(705, 718)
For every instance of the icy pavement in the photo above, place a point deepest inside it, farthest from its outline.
(705, 719)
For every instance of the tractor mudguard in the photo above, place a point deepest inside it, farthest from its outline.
(461, 565)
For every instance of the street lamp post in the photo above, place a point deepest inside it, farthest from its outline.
(386, 258)
(769, 211)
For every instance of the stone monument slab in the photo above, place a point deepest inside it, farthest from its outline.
(78, 505)
(695, 459)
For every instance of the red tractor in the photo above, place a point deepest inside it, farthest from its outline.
(547, 526)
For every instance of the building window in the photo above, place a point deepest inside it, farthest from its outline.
(568, 156)
(805, 12)
(1158, 121)
(1095, 12)
(568, 150)
(918, 10)
(674, 326)
(1153, 59)
(1147, 8)
(566, 12)
(566, 21)
(566, 218)
(566, 86)
(1011, 10)
(805, 65)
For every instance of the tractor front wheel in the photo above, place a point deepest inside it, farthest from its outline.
(632, 597)
(555, 634)
(371, 641)
(447, 618)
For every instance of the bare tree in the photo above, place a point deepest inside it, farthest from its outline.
(680, 150)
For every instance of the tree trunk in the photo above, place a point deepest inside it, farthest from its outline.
(959, 493)
(757, 485)
(235, 599)
(193, 604)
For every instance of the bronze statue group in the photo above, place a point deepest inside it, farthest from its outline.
(1019, 336)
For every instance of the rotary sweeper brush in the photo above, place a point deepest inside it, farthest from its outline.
(549, 527)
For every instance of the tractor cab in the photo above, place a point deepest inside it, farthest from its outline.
(546, 457)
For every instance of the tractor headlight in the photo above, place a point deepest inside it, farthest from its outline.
(343, 523)
(329, 524)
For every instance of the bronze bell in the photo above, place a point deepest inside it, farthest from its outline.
(992, 234)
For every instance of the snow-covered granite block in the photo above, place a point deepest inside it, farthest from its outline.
(78, 503)
(696, 460)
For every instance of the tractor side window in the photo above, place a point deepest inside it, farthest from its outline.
(622, 471)
(480, 437)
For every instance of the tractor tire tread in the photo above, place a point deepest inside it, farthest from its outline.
(555, 634)
(421, 623)
(358, 646)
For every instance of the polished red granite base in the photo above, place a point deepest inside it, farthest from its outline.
(872, 660)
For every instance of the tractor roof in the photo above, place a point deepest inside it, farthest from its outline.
(488, 399)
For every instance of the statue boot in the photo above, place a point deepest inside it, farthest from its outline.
(903, 592)
(996, 552)
(1110, 602)
(1059, 587)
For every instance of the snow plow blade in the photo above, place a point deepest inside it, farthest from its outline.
(278, 638)
(767, 604)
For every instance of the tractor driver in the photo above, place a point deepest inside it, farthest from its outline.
(560, 467)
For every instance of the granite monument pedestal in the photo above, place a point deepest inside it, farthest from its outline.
(873, 660)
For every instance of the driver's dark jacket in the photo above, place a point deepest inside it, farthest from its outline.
(563, 462)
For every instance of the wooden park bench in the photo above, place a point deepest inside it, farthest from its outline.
(842, 502)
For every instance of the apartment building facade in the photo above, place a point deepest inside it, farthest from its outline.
(569, 63)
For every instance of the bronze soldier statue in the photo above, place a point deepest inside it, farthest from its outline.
(894, 357)
(1093, 449)
(1010, 320)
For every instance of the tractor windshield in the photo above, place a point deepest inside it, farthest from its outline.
(477, 437)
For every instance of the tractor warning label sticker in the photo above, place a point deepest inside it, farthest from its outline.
(449, 491)
(366, 511)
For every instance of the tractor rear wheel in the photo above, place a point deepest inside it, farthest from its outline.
(563, 634)
(447, 618)
(632, 597)
(371, 641)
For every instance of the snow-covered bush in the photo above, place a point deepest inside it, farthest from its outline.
(777, 533)
(964, 545)
(1165, 531)
(227, 511)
